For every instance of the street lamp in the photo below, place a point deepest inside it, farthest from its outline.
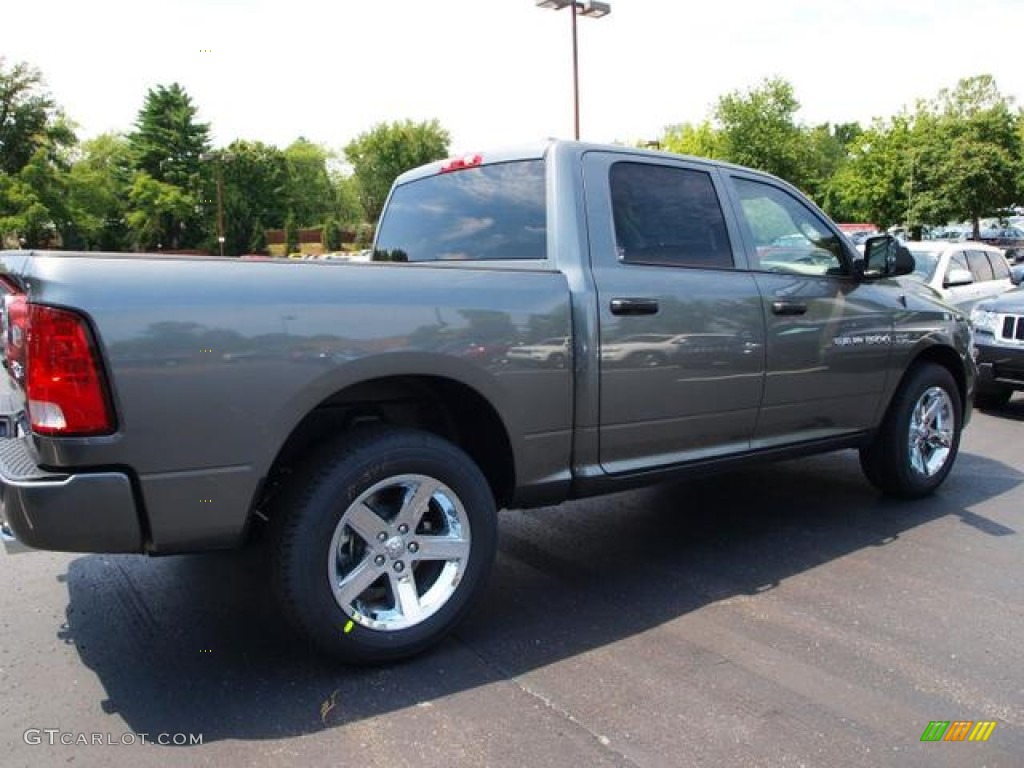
(593, 10)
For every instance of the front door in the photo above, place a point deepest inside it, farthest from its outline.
(829, 334)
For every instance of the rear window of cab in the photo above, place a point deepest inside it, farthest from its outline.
(484, 213)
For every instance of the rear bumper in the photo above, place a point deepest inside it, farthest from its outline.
(86, 512)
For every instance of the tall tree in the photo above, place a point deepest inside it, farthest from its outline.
(759, 129)
(30, 119)
(98, 188)
(255, 194)
(169, 145)
(34, 137)
(872, 186)
(389, 149)
(348, 210)
(700, 140)
(829, 150)
(309, 190)
(966, 155)
(152, 205)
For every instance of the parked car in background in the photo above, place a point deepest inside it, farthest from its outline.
(1017, 273)
(953, 234)
(961, 273)
(1009, 238)
(643, 349)
(999, 346)
(553, 353)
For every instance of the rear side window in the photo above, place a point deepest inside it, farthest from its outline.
(492, 212)
(999, 266)
(670, 216)
(980, 267)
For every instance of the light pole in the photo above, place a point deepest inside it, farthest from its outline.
(593, 10)
(218, 158)
(220, 203)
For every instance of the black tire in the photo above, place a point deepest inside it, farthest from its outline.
(992, 396)
(322, 539)
(890, 462)
(557, 360)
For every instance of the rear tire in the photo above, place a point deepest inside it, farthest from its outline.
(380, 546)
(917, 443)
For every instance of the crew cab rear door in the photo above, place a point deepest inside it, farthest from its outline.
(682, 333)
(829, 334)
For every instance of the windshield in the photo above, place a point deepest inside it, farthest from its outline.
(925, 263)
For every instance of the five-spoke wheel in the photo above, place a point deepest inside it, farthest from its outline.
(918, 440)
(381, 545)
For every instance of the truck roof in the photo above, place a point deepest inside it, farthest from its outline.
(538, 150)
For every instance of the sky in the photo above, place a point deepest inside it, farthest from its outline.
(496, 73)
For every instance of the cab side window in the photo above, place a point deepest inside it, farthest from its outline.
(670, 216)
(788, 236)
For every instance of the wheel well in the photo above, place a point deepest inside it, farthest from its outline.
(447, 408)
(948, 359)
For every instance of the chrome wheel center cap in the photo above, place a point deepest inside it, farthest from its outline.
(394, 547)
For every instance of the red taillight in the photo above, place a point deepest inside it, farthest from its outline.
(461, 163)
(51, 352)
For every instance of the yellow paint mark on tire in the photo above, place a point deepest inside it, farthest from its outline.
(348, 627)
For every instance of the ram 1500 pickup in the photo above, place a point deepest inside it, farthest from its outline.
(538, 325)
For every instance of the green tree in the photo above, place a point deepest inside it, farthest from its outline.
(291, 236)
(25, 217)
(309, 192)
(34, 136)
(389, 149)
(98, 187)
(829, 150)
(872, 185)
(965, 160)
(255, 194)
(331, 237)
(152, 204)
(168, 145)
(758, 129)
(700, 140)
(30, 119)
(348, 210)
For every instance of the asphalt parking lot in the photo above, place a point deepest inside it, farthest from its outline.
(783, 616)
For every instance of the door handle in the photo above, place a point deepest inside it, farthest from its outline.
(634, 306)
(789, 307)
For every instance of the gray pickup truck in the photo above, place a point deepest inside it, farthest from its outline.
(545, 324)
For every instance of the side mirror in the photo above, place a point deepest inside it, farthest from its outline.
(958, 277)
(885, 257)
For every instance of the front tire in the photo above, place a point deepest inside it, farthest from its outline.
(917, 443)
(379, 548)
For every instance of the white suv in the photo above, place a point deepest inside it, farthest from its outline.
(962, 273)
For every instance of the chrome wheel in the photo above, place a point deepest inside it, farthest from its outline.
(399, 552)
(932, 429)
